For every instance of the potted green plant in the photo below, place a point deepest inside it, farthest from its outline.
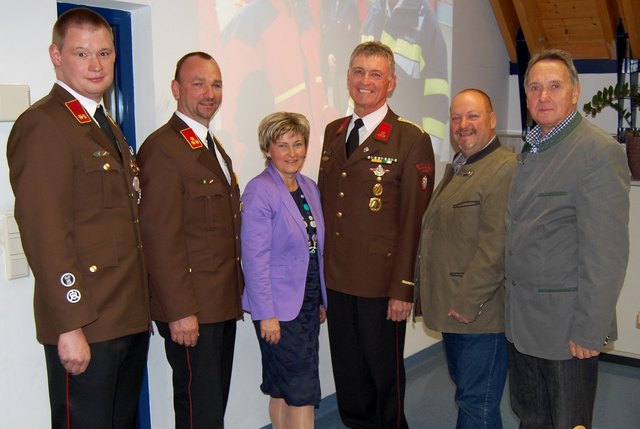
(616, 97)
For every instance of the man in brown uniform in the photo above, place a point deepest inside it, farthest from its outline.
(74, 178)
(375, 185)
(190, 226)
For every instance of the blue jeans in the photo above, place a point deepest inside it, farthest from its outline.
(478, 366)
(552, 394)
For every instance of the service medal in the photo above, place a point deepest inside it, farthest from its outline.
(375, 204)
(377, 189)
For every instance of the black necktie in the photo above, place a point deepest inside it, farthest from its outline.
(106, 128)
(353, 141)
(212, 145)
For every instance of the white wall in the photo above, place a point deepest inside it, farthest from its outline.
(162, 33)
(24, 400)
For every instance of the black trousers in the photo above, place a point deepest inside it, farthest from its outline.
(552, 394)
(106, 395)
(368, 364)
(201, 375)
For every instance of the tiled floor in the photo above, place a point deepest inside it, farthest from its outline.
(430, 405)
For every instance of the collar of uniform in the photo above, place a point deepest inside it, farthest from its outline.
(200, 130)
(89, 105)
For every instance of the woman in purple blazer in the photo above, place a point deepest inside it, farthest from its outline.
(282, 243)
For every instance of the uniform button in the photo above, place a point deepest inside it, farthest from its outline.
(238, 259)
(235, 216)
(139, 246)
(236, 237)
(514, 221)
(136, 221)
(514, 283)
(131, 195)
(341, 194)
(189, 269)
(231, 195)
(339, 214)
(343, 174)
(388, 254)
(106, 166)
(93, 268)
(337, 234)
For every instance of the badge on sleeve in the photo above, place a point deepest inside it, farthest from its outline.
(74, 296)
(67, 280)
(424, 183)
(424, 167)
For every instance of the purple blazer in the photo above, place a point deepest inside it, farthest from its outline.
(275, 248)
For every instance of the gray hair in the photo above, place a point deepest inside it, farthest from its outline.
(375, 48)
(554, 55)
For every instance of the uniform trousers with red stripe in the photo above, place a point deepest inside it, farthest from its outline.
(105, 396)
(367, 358)
(201, 375)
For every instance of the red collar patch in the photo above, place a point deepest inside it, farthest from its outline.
(76, 109)
(191, 138)
(343, 126)
(383, 131)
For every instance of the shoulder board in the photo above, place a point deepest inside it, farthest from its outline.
(191, 138)
(76, 109)
(401, 119)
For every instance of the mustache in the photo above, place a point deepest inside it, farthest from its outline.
(465, 130)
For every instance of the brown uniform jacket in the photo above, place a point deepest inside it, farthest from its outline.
(190, 219)
(78, 216)
(372, 204)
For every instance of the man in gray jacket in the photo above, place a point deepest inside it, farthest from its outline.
(566, 251)
(460, 268)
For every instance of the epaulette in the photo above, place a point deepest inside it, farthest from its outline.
(401, 119)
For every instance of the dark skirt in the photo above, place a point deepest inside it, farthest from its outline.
(290, 368)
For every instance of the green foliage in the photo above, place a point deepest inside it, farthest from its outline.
(614, 97)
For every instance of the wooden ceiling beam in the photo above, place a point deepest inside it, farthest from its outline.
(586, 28)
(531, 22)
(508, 23)
(630, 13)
